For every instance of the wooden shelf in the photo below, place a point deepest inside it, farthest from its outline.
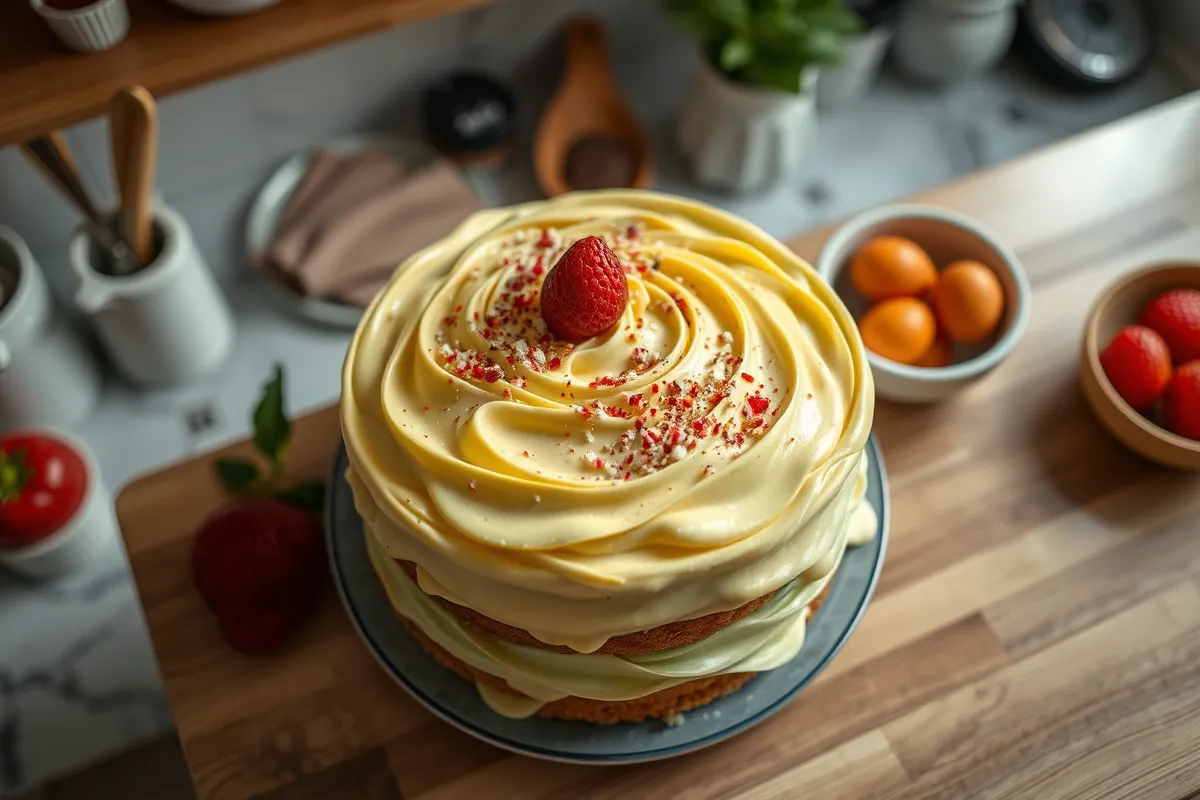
(44, 86)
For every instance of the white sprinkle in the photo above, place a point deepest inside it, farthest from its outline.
(522, 347)
(588, 436)
(726, 337)
(538, 356)
(678, 453)
(674, 719)
(537, 498)
(591, 456)
(472, 485)
(445, 351)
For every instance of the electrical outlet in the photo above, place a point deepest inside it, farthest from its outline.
(201, 419)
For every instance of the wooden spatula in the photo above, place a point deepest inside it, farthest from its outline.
(133, 134)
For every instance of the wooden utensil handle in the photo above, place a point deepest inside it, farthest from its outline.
(587, 46)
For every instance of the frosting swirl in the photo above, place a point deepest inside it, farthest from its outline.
(699, 454)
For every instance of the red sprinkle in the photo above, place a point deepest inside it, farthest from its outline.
(757, 403)
(747, 377)
(545, 240)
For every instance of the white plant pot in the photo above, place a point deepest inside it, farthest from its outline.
(944, 40)
(852, 79)
(743, 138)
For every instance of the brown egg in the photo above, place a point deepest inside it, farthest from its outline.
(969, 301)
(892, 266)
(901, 329)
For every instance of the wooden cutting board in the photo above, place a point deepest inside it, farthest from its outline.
(1036, 632)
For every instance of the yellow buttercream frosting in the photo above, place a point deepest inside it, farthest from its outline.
(705, 451)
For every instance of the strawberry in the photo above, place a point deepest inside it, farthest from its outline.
(1181, 402)
(1175, 316)
(1138, 365)
(258, 561)
(585, 292)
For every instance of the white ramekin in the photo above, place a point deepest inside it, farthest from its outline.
(77, 544)
(86, 30)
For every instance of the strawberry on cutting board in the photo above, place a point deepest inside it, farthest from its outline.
(258, 561)
(43, 484)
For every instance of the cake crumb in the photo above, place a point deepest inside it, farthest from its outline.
(674, 719)
(537, 498)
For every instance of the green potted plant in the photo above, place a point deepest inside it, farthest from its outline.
(751, 117)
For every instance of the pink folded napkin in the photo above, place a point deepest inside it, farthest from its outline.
(353, 219)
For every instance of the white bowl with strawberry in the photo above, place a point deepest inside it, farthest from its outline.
(56, 515)
(1140, 365)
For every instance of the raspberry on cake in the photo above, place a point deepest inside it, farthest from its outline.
(608, 451)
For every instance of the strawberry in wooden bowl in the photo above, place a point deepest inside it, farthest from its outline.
(55, 514)
(1140, 365)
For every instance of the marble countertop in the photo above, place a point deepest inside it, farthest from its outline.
(78, 681)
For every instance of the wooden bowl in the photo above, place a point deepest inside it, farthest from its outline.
(1118, 306)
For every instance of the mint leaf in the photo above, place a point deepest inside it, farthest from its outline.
(735, 54)
(272, 430)
(237, 474)
(310, 495)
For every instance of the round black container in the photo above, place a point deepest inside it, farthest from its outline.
(1087, 44)
(470, 116)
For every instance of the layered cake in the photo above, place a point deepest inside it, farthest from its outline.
(607, 518)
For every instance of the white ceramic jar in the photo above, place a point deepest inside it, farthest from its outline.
(47, 375)
(743, 138)
(944, 40)
(164, 323)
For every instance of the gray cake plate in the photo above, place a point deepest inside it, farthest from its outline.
(456, 701)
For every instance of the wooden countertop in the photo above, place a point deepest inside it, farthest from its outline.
(1036, 632)
(43, 85)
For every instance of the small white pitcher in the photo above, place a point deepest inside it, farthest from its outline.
(164, 323)
(48, 377)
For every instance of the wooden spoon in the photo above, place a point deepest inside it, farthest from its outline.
(588, 112)
(133, 135)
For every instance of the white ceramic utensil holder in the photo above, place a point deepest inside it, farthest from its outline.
(48, 376)
(939, 41)
(164, 323)
(743, 138)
